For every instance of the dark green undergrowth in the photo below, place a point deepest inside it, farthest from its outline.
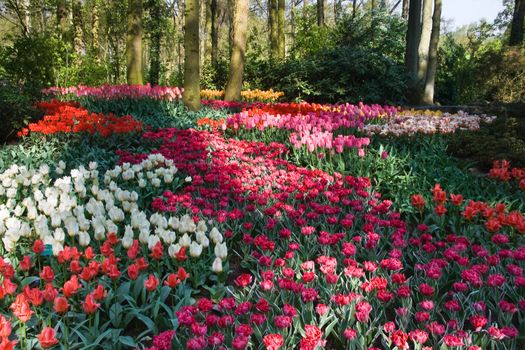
(503, 139)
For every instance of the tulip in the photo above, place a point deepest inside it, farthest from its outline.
(195, 249)
(47, 338)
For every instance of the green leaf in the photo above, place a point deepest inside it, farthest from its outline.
(128, 341)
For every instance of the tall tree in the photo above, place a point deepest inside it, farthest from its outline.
(411, 54)
(191, 95)
(516, 28)
(134, 43)
(95, 26)
(338, 9)
(424, 43)
(428, 96)
(404, 10)
(214, 8)
(273, 24)
(61, 15)
(78, 42)
(155, 27)
(280, 30)
(320, 12)
(232, 92)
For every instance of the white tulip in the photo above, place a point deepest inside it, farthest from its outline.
(59, 235)
(185, 240)
(215, 236)
(84, 239)
(217, 265)
(195, 249)
(221, 251)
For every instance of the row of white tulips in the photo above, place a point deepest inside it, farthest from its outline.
(80, 207)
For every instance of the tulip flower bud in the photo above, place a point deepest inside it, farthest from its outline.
(217, 265)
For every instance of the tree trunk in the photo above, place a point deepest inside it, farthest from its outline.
(78, 42)
(428, 97)
(232, 92)
(273, 24)
(61, 18)
(214, 32)
(95, 31)
(207, 45)
(25, 10)
(156, 39)
(191, 95)
(411, 55)
(280, 31)
(424, 44)
(134, 43)
(320, 13)
(516, 29)
(404, 11)
(354, 8)
(338, 8)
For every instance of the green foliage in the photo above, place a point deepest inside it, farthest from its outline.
(345, 74)
(15, 109)
(379, 32)
(154, 114)
(503, 139)
(35, 61)
(482, 69)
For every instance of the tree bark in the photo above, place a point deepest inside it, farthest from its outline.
(404, 11)
(320, 13)
(354, 8)
(424, 44)
(61, 18)
(134, 43)
(95, 31)
(232, 92)
(156, 39)
(411, 55)
(338, 8)
(191, 94)
(280, 31)
(516, 29)
(214, 32)
(273, 24)
(428, 97)
(78, 42)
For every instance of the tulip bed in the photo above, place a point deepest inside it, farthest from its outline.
(256, 230)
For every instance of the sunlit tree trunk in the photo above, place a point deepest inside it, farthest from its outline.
(320, 12)
(404, 10)
(134, 43)
(191, 95)
(424, 43)
(95, 45)
(428, 97)
(280, 31)
(273, 25)
(516, 29)
(411, 55)
(232, 92)
(78, 42)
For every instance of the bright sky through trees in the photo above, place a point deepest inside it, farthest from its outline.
(464, 12)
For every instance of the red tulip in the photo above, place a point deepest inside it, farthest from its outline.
(90, 306)
(151, 283)
(60, 305)
(21, 309)
(47, 338)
